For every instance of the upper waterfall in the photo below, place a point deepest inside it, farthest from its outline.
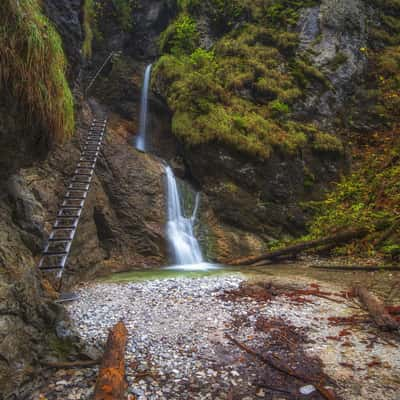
(144, 104)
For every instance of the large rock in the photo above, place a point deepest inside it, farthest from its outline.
(259, 200)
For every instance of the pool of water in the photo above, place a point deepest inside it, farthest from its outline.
(381, 282)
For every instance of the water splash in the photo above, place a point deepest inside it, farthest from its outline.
(144, 104)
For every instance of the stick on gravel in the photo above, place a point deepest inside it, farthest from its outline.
(110, 383)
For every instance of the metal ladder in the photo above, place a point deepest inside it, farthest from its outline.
(58, 247)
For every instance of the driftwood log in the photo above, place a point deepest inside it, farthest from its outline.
(111, 383)
(376, 309)
(294, 250)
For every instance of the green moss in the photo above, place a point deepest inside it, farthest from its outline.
(241, 92)
(306, 73)
(33, 68)
(325, 142)
(181, 37)
(88, 21)
(279, 109)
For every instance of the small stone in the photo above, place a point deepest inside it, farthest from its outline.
(308, 389)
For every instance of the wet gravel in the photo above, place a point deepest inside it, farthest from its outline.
(177, 348)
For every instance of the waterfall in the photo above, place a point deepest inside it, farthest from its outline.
(144, 103)
(180, 229)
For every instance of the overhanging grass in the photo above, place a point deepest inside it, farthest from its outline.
(33, 68)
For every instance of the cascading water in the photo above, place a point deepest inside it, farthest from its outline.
(180, 229)
(144, 102)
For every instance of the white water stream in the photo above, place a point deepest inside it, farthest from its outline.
(184, 245)
(144, 105)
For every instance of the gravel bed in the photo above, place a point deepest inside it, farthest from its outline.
(177, 342)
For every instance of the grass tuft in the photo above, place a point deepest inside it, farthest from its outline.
(33, 68)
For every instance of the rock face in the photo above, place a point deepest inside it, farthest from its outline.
(122, 227)
(334, 36)
(258, 202)
(66, 16)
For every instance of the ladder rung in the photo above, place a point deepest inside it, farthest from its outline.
(86, 165)
(64, 227)
(84, 171)
(58, 246)
(51, 268)
(88, 159)
(78, 186)
(55, 240)
(66, 223)
(82, 179)
(93, 142)
(73, 202)
(55, 253)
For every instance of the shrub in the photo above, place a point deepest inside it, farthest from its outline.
(33, 67)
(181, 37)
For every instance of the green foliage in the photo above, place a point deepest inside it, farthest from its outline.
(279, 109)
(324, 142)
(388, 78)
(33, 67)
(368, 198)
(285, 12)
(181, 37)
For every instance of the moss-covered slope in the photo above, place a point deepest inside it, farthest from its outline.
(242, 90)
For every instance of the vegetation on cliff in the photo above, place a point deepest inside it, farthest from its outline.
(242, 91)
(231, 73)
(370, 196)
(33, 68)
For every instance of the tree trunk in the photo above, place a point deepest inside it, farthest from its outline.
(110, 383)
(294, 250)
(376, 309)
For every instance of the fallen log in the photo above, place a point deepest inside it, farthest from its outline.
(110, 383)
(376, 309)
(294, 250)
